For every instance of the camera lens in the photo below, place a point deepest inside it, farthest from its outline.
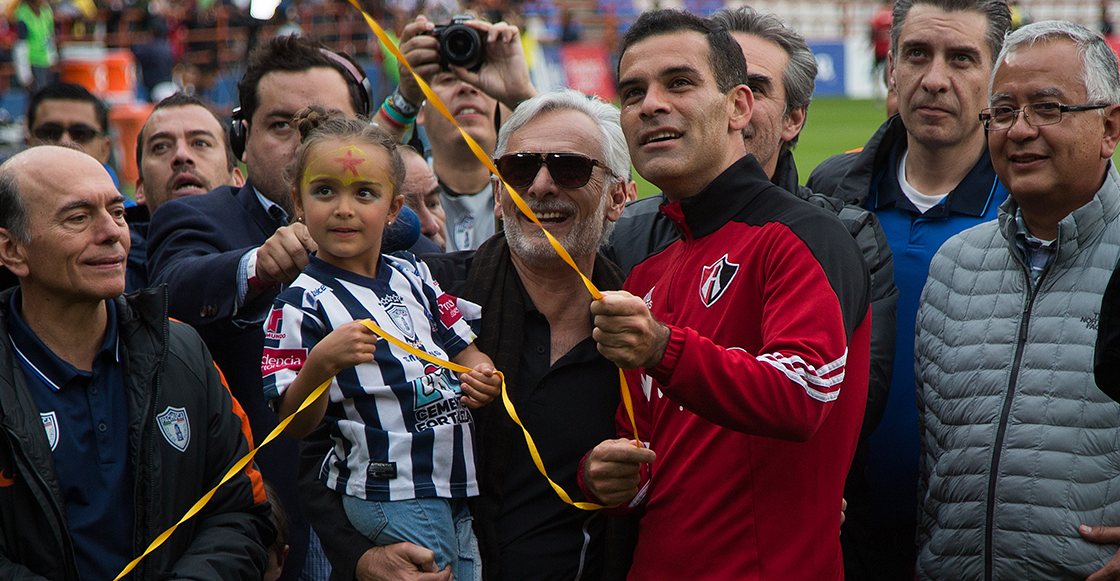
(460, 45)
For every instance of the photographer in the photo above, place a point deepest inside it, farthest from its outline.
(473, 97)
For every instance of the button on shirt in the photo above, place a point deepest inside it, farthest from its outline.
(85, 417)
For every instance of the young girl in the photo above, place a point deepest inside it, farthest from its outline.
(404, 444)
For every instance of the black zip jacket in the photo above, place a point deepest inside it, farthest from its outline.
(165, 365)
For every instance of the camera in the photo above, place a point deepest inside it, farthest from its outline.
(459, 44)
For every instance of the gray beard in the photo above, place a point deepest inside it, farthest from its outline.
(583, 240)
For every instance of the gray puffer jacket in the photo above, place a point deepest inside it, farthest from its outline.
(1019, 446)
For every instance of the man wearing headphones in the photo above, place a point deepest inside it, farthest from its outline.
(225, 254)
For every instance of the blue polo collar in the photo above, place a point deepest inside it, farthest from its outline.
(962, 200)
(50, 369)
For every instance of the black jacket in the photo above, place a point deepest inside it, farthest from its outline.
(165, 365)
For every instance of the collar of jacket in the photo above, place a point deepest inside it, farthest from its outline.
(854, 187)
(143, 328)
(1082, 227)
(785, 173)
(725, 197)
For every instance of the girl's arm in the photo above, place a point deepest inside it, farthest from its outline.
(481, 385)
(349, 345)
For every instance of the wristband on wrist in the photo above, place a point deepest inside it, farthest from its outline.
(390, 117)
(399, 104)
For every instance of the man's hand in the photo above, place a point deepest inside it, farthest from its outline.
(284, 255)
(1104, 536)
(400, 562)
(612, 470)
(626, 332)
(504, 74)
(422, 52)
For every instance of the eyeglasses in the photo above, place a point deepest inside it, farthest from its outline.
(1035, 114)
(79, 132)
(568, 170)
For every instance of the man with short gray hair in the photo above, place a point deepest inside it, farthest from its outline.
(927, 175)
(1019, 455)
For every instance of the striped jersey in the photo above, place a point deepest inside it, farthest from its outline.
(399, 429)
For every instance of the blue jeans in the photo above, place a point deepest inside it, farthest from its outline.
(440, 524)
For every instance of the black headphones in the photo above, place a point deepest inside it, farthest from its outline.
(238, 131)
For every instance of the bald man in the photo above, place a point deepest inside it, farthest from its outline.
(115, 418)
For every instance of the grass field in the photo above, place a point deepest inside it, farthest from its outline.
(834, 126)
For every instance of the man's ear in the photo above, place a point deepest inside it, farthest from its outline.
(793, 124)
(237, 177)
(618, 193)
(139, 195)
(498, 187)
(107, 148)
(13, 254)
(631, 191)
(740, 103)
(1111, 131)
(890, 70)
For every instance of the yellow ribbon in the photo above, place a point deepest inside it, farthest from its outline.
(236, 469)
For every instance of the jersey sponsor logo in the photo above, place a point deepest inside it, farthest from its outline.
(649, 298)
(322, 289)
(716, 278)
(50, 424)
(436, 384)
(273, 360)
(437, 399)
(274, 320)
(448, 311)
(176, 427)
(445, 412)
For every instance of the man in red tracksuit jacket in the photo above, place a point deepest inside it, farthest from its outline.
(747, 339)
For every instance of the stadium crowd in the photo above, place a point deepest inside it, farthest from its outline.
(454, 394)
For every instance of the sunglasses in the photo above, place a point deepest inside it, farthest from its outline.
(568, 170)
(79, 132)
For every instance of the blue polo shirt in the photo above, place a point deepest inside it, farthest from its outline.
(914, 239)
(85, 416)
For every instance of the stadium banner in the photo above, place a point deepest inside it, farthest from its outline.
(587, 68)
(831, 79)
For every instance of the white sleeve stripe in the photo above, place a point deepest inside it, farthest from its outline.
(803, 374)
(641, 496)
(825, 376)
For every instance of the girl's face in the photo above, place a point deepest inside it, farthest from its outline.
(346, 197)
